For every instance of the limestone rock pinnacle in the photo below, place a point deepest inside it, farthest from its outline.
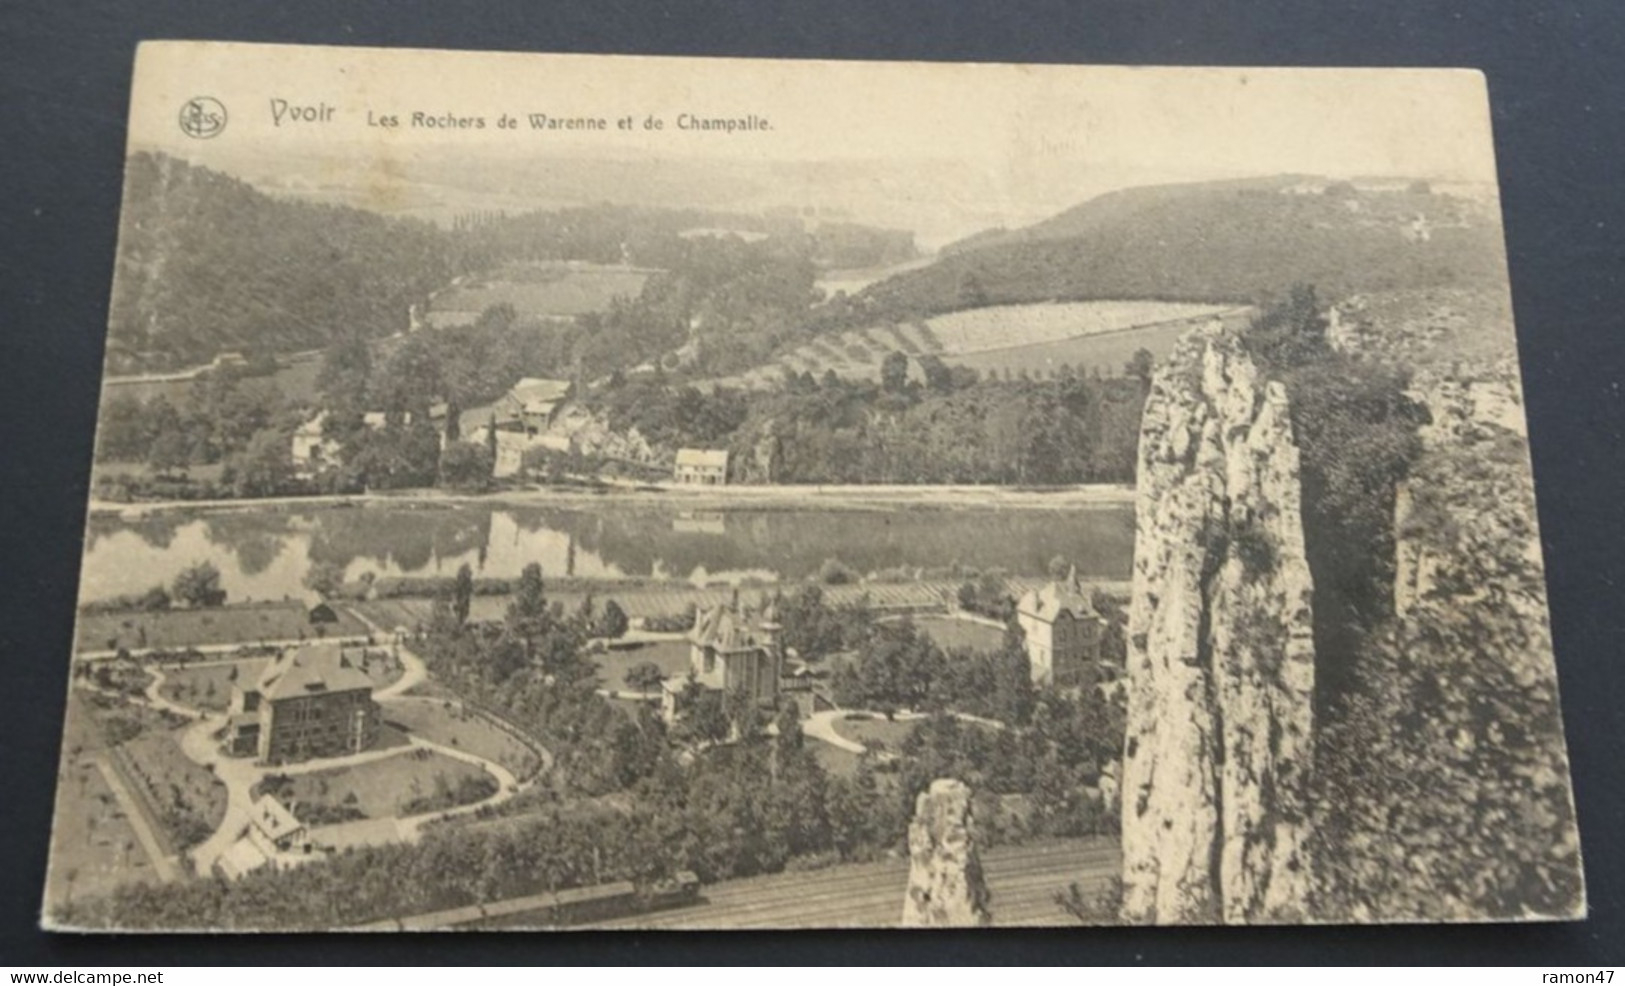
(945, 884)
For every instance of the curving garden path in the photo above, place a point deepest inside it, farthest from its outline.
(240, 775)
(821, 725)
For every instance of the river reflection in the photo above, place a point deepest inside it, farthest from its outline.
(267, 555)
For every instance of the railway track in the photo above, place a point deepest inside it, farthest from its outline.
(1023, 879)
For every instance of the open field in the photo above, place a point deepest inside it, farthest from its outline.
(955, 634)
(671, 656)
(451, 724)
(1007, 338)
(1023, 879)
(177, 629)
(1107, 352)
(556, 290)
(412, 782)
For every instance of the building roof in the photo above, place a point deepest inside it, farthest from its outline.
(535, 395)
(725, 629)
(310, 670)
(1068, 596)
(314, 426)
(273, 818)
(243, 857)
(703, 458)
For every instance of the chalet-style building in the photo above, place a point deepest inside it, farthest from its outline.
(532, 404)
(274, 829)
(311, 702)
(273, 836)
(731, 649)
(700, 467)
(1062, 631)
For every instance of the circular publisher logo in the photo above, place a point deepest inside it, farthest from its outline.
(202, 117)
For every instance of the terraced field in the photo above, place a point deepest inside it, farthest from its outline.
(1024, 881)
(1005, 338)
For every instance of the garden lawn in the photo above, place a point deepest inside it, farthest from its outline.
(186, 798)
(177, 629)
(452, 724)
(208, 686)
(671, 656)
(954, 634)
(410, 783)
(872, 732)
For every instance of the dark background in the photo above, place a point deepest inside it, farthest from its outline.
(1556, 81)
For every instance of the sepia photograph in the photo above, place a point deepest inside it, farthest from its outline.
(584, 491)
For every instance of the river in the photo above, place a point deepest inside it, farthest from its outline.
(265, 554)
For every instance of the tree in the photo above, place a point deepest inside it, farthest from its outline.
(613, 624)
(155, 598)
(199, 586)
(264, 467)
(971, 293)
(1140, 366)
(465, 465)
(462, 594)
(894, 372)
(325, 578)
(702, 718)
(346, 366)
(122, 435)
(645, 677)
(527, 614)
(170, 451)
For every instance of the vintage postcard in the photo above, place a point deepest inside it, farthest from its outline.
(540, 491)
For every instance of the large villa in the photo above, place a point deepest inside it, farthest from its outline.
(315, 701)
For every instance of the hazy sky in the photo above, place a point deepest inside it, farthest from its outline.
(950, 148)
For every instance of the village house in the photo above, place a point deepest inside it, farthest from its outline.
(521, 420)
(532, 404)
(313, 451)
(1062, 631)
(314, 701)
(731, 649)
(700, 467)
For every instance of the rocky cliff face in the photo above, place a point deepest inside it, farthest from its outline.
(945, 884)
(1460, 804)
(1221, 655)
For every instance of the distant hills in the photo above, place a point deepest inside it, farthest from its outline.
(1227, 241)
(208, 264)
